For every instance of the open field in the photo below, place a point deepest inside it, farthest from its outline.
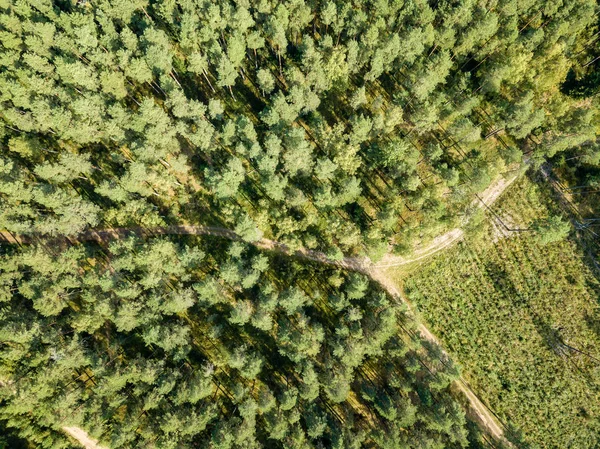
(523, 320)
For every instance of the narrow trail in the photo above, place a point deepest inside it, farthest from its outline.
(477, 409)
(83, 438)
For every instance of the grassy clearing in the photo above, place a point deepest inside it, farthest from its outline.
(524, 321)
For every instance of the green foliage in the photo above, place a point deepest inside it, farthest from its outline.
(521, 316)
(172, 350)
(551, 229)
(138, 114)
(344, 128)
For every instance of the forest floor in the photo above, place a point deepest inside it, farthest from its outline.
(478, 409)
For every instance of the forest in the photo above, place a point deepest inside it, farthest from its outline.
(190, 191)
(166, 344)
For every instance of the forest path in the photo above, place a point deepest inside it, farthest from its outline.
(83, 438)
(353, 263)
(478, 410)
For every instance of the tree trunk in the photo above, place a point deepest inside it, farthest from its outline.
(207, 80)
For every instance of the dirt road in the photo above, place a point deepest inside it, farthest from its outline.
(83, 438)
(477, 409)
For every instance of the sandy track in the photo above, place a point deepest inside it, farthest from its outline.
(437, 244)
(477, 409)
(83, 438)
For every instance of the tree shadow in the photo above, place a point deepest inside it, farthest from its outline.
(503, 284)
(581, 87)
(553, 339)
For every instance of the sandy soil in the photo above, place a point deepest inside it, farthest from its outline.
(83, 438)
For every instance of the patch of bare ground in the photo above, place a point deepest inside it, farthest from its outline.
(83, 438)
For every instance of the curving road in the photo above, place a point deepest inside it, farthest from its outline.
(478, 410)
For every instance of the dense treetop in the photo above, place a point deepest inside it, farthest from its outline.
(208, 343)
(328, 125)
